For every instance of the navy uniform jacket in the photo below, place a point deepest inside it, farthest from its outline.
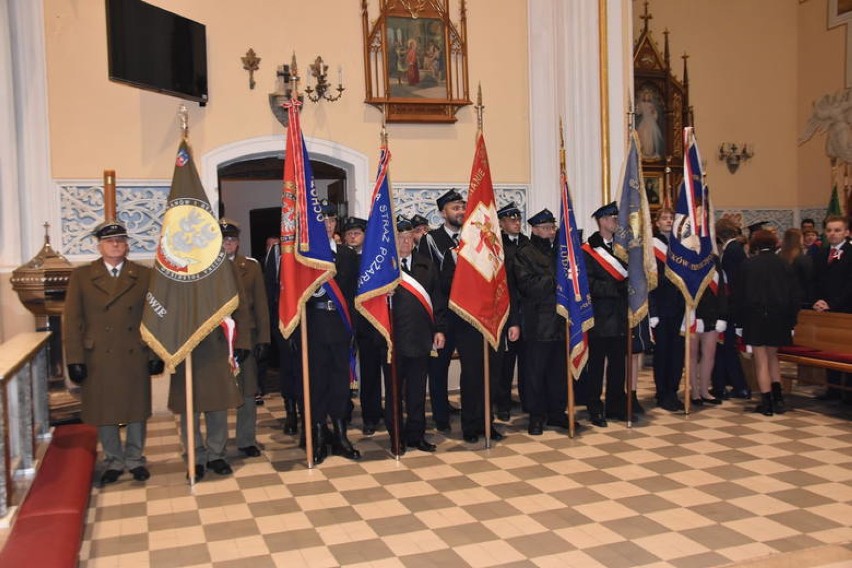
(412, 327)
(609, 296)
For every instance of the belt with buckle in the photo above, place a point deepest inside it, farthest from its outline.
(324, 305)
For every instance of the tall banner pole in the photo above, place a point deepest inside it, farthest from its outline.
(396, 446)
(486, 360)
(687, 398)
(306, 390)
(190, 424)
(571, 402)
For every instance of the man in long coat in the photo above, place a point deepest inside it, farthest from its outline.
(105, 352)
(215, 389)
(251, 278)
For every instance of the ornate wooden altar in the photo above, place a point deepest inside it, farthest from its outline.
(662, 110)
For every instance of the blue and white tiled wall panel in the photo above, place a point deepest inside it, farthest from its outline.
(140, 206)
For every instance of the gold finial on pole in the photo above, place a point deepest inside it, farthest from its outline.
(294, 77)
(384, 133)
(183, 116)
(479, 107)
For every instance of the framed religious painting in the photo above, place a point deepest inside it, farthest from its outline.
(415, 60)
(654, 187)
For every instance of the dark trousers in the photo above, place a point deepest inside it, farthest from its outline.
(511, 352)
(469, 343)
(289, 365)
(546, 383)
(411, 397)
(610, 352)
(370, 365)
(668, 358)
(727, 368)
(328, 358)
(438, 369)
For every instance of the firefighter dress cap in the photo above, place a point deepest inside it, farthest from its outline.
(354, 223)
(542, 217)
(509, 210)
(449, 197)
(419, 221)
(606, 210)
(328, 209)
(403, 224)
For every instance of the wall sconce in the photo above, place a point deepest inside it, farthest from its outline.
(286, 83)
(734, 154)
(251, 63)
(322, 89)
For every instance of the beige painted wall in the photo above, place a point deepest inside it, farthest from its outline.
(743, 87)
(96, 124)
(821, 70)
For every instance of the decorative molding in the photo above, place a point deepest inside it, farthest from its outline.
(140, 206)
(419, 198)
(359, 185)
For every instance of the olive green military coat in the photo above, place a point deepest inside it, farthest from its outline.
(252, 280)
(101, 330)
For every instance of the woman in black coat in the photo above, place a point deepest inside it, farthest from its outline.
(767, 300)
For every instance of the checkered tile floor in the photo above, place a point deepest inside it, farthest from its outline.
(718, 487)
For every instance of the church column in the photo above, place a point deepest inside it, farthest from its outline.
(565, 59)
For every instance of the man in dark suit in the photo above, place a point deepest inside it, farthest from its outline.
(666, 309)
(288, 350)
(436, 245)
(328, 350)
(833, 283)
(607, 276)
(251, 277)
(727, 369)
(542, 329)
(105, 354)
(370, 343)
(419, 311)
(512, 351)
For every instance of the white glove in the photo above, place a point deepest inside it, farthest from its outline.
(721, 326)
(739, 331)
(653, 322)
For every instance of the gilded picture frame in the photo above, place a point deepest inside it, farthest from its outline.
(416, 61)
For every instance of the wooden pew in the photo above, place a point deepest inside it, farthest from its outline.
(821, 340)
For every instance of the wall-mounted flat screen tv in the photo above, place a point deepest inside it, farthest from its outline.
(155, 49)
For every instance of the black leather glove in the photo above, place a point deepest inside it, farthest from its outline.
(241, 355)
(261, 352)
(77, 373)
(156, 366)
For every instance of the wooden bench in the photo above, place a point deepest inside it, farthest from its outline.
(822, 340)
(48, 528)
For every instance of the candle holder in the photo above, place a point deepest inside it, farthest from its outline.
(322, 89)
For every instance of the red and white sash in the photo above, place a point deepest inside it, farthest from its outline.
(229, 328)
(608, 262)
(408, 282)
(661, 250)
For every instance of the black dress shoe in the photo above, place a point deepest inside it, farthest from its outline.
(110, 476)
(496, 435)
(503, 415)
(598, 420)
(559, 421)
(471, 438)
(220, 467)
(672, 405)
(368, 429)
(743, 393)
(536, 428)
(140, 473)
(443, 427)
(422, 445)
(712, 400)
(697, 402)
(250, 451)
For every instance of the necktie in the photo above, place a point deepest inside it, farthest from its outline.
(405, 264)
(115, 272)
(455, 239)
(834, 255)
